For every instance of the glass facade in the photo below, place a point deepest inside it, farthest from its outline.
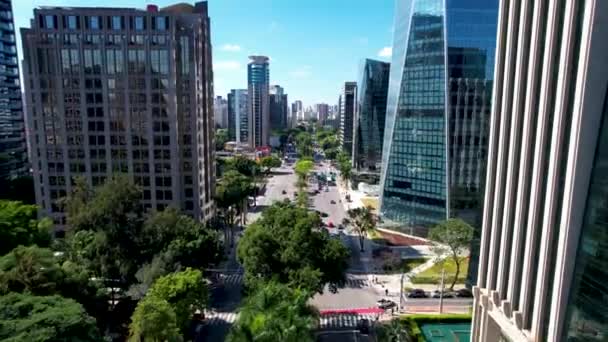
(588, 302)
(438, 111)
(237, 115)
(258, 78)
(370, 116)
(13, 150)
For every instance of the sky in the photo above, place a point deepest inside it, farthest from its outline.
(314, 45)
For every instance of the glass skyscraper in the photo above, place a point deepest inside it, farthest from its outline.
(13, 148)
(258, 78)
(370, 116)
(438, 109)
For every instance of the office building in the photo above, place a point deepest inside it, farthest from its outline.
(297, 110)
(258, 78)
(13, 148)
(220, 110)
(434, 150)
(279, 107)
(322, 110)
(348, 101)
(543, 262)
(121, 90)
(238, 115)
(370, 117)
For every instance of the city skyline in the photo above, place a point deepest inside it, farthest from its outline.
(308, 60)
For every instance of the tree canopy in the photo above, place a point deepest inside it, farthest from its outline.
(453, 236)
(362, 220)
(270, 162)
(275, 312)
(287, 244)
(304, 144)
(243, 165)
(25, 317)
(221, 138)
(19, 226)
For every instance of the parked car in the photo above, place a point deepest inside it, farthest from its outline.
(284, 192)
(332, 202)
(417, 293)
(330, 224)
(464, 293)
(385, 304)
(340, 226)
(446, 294)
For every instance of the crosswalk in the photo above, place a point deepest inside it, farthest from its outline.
(343, 320)
(218, 318)
(353, 282)
(332, 321)
(232, 279)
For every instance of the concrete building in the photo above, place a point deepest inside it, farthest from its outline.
(322, 110)
(258, 78)
(297, 110)
(279, 107)
(122, 90)
(370, 117)
(348, 102)
(220, 110)
(13, 147)
(238, 115)
(543, 262)
(438, 110)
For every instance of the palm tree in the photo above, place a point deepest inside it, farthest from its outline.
(363, 220)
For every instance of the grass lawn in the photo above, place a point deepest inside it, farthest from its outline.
(404, 265)
(432, 275)
(370, 202)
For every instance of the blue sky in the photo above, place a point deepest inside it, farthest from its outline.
(314, 45)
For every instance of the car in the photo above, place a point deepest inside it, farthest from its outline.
(385, 304)
(324, 214)
(417, 293)
(330, 224)
(446, 294)
(284, 192)
(340, 226)
(332, 202)
(464, 293)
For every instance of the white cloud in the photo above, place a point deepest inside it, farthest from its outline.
(386, 51)
(301, 72)
(230, 47)
(226, 65)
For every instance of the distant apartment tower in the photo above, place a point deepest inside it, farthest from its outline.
(438, 110)
(348, 101)
(220, 110)
(297, 110)
(122, 90)
(322, 110)
(279, 107)
(543, 267)
(13, 147)
(370, 116)
(238, 115)
(258, 78)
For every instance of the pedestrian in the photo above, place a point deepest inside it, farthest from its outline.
(386, 291)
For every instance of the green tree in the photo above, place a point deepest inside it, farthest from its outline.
(304, 144)
(243, 165)
(275, 312)
(452, 236)
(19, 226)
(154, 320)
(185, 291)
(270, 162)
(286, 243)
(394, 331)
(344, 166)
(363, 220)
(231, 197)
(221, 138)
(32, 318)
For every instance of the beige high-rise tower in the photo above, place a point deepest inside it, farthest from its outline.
(122, 90)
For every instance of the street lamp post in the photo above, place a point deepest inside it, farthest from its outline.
(441, 291)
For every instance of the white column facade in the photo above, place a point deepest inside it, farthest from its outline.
(549, 98)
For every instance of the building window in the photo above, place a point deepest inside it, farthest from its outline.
(161, 23)
(72, 22)
(94, 23)
(49, 21)
(116, 22)
(138, 24)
